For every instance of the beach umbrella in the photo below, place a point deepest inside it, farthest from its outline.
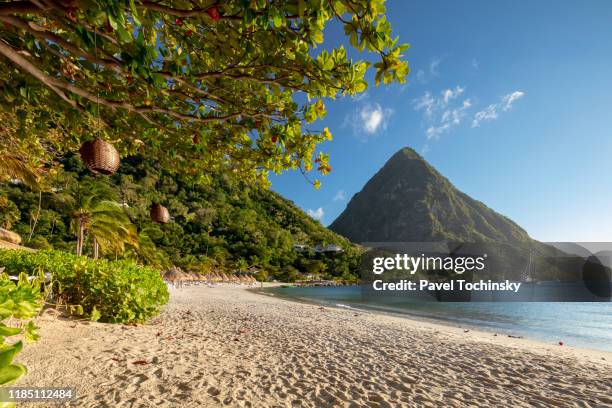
(183, 277)
(172, 274)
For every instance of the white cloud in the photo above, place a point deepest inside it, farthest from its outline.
(509, 99)
(424, 75)
(441, 113)
(492, 111)
(450, 94)
(426, 103)
(340, 196)
(420, 76)
(456, 115)
(449, 118)
(433, 67)
(435, 131)
(316, 214)
(430, 104)
(360, 96)
(487, 114)
(369, 119)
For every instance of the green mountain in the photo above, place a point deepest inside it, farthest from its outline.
(409, 201)
(224, 225)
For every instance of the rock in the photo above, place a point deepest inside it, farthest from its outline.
(10, 236)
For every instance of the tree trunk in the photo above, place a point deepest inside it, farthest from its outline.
(36, 217)
(80, 237)
(96, 248)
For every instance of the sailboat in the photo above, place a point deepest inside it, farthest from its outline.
(526, 275)
(527, 278)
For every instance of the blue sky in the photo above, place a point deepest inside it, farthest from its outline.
(512, 101)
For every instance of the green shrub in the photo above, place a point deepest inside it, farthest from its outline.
(20, 301)
(111, 291)
(39, 242)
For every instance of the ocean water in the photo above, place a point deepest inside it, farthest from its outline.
(578, 324)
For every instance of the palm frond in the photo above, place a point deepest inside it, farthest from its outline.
(11, 166)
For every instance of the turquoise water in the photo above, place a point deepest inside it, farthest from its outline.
(578, 324)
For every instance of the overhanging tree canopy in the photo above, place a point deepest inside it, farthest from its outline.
(204, 85)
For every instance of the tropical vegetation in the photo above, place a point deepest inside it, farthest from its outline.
(110, 291)
(20, 303)
(203, 86)
(223, 225)
(203, 99)
(95, 213)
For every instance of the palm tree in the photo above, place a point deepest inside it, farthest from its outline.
(16, 168)
(110, 229)
(144, 249)
(104, 219)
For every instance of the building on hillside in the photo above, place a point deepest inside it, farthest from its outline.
(300, 248)
(328, 248)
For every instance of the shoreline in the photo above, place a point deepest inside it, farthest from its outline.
(473, 331)
(229, 346)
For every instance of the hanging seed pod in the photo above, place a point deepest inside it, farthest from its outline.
(100, 156)
(159, 214)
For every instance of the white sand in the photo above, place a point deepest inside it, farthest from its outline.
(228, 346)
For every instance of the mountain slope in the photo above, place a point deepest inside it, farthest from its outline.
(410, 201)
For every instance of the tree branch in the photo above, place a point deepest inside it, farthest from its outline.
(196, 12)
(14, 7)
(57, 85)
(40, 32)
(17, 59)
(149, 5)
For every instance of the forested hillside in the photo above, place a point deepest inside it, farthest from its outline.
(224, 225)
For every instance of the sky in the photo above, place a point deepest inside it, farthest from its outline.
(511, 101)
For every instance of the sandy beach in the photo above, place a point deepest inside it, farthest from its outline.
(228, 346)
